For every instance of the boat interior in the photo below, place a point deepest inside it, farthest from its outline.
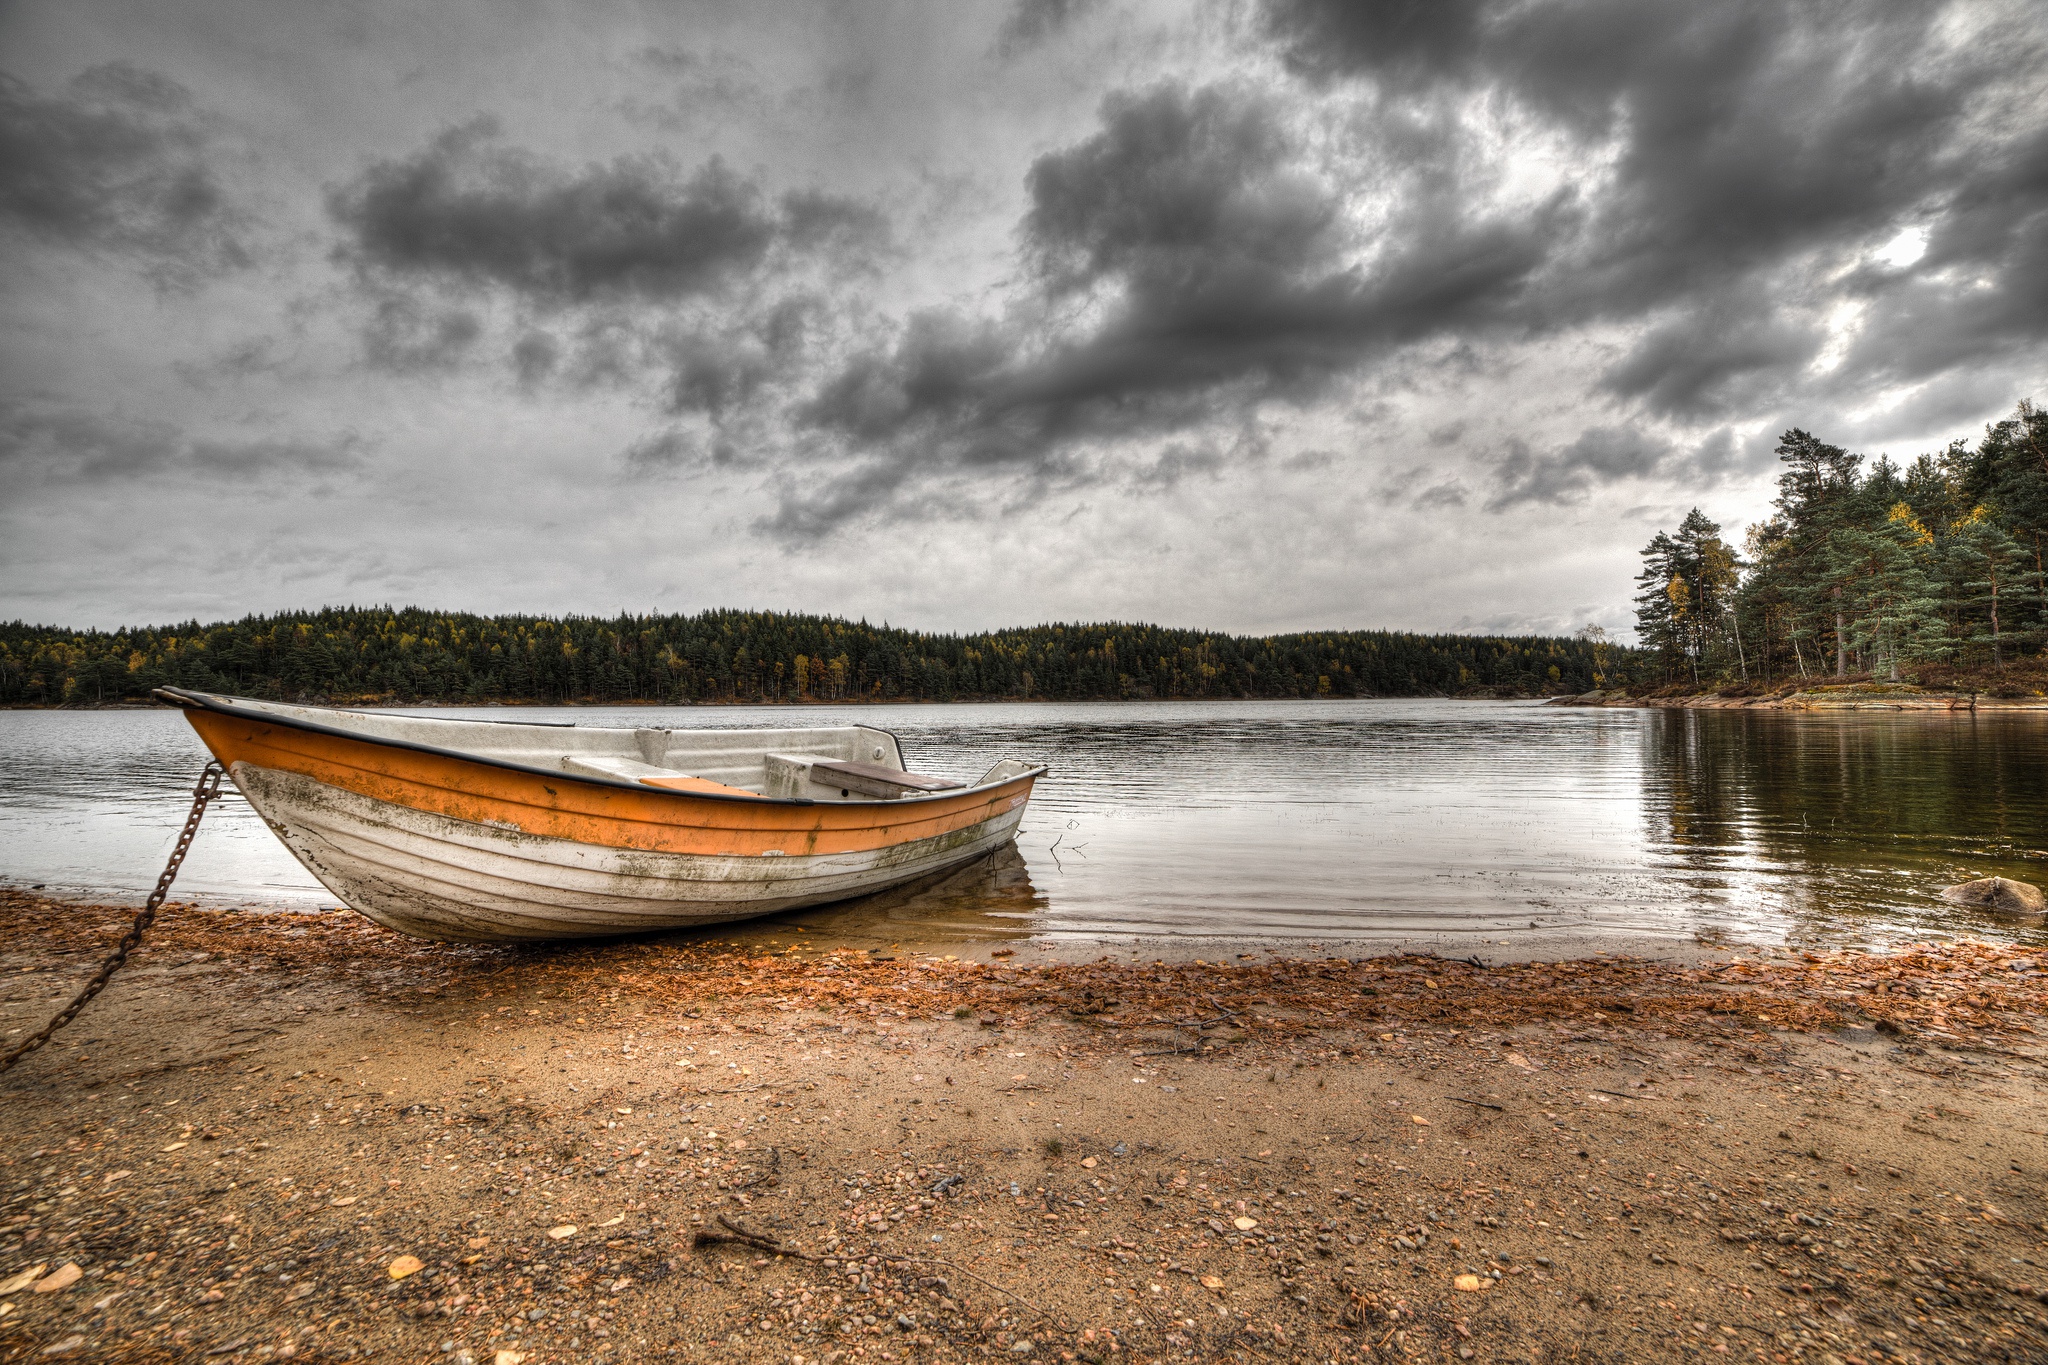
(822, 763)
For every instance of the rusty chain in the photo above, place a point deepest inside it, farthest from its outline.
(207, 790)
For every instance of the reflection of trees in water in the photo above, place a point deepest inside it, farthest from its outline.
(1864, 812)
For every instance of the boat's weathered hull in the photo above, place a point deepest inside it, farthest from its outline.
(444, 847)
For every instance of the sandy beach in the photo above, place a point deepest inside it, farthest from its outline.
(299, 1137)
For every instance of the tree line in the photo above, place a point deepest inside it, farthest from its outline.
(370, 655)
(1863, 569)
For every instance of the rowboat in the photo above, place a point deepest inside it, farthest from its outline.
(500, 831)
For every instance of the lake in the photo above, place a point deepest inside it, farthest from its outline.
(1504, 828)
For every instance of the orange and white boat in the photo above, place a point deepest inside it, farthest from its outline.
(495, 831)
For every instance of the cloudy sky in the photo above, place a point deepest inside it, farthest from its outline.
(1262, 316)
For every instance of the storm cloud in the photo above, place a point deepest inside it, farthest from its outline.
(120, 163)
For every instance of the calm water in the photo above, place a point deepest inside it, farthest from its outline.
(1513, 827)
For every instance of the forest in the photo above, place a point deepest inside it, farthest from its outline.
(382, 655)
(1930, 573)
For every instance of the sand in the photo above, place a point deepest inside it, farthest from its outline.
(298, 1137)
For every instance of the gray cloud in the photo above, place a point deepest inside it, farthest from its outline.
(1219, 272)
(406, 335)
(1599, 455)
(1032, 22)
(74, 445)
(1753, 145)
(472, 211)
(119, 164)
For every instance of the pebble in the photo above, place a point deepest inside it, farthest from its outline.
(62, 1278)
(565, 1230)
(14, 1284)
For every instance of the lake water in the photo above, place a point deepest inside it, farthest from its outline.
(1511, 829)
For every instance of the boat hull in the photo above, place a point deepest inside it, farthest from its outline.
(444, 847)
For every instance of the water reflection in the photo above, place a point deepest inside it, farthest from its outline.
(1846, 825)
(1462, 825)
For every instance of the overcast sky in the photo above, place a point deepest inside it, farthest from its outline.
(1265, 316)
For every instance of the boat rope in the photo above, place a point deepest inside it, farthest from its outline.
(203, 794)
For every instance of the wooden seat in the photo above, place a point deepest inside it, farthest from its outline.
(647, 774)
(871, 779)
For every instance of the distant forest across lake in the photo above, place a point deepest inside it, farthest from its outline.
(370, 655)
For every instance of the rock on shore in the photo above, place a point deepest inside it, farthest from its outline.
(1999, 895)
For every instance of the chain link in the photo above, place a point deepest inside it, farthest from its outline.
(207, 790)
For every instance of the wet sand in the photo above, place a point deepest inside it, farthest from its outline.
(634, 1150)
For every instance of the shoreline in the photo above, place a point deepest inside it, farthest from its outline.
(1851, 697)
(586, 705)
(301, 1137)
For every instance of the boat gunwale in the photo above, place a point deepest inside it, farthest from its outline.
(186, 699)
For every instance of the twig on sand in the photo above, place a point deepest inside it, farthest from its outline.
(1622, 1095)
(762, 1177)
(739, 1233)
(1477, 1104)
(734, 1232)
(963, 1270)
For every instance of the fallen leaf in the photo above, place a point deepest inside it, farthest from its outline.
(622, 1111)
(404, 1266)
(112, 1176)
(1471, 1284)
(1088, 1162)
(63, 1277)
(1419, 1119)
(343, 1202)
(173, 1147)
(1517, 1059)
(509, 1358)
(14, 1284)
(1244, 1224)
(1214, 1282)
(565, 1230)
(613, 1222)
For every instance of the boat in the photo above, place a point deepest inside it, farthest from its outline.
(493, 831)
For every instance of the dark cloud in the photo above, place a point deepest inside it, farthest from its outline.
(659, 452)
(1981, 289)
(1406, 39)
(1206, 251)
(1752, 146)
(1714, 355)
(120, 164)
(641, 271)
(534, 357)
(1217, 267)
(471, 210)
(76, 445)
(1599, 455)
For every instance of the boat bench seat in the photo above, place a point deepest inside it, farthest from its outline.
(872, 779)
(647, 774)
